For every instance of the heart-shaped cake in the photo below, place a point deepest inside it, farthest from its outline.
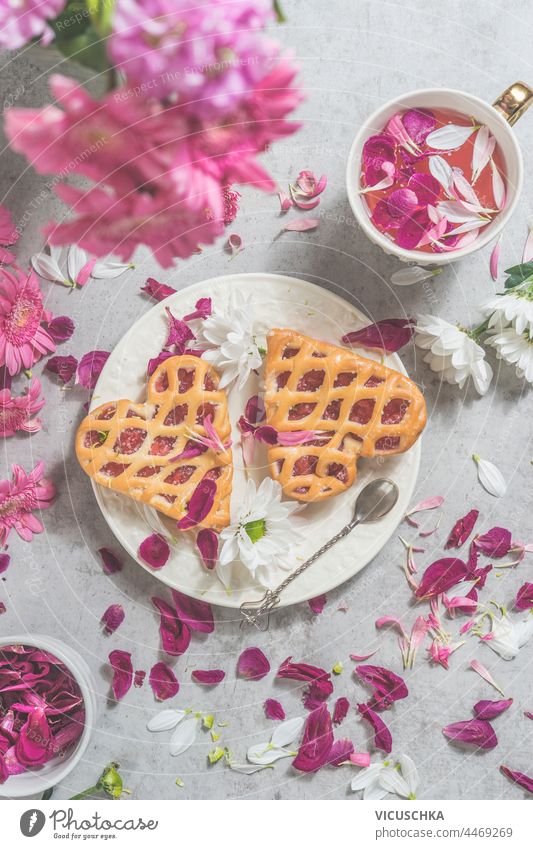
(159, 451)
(354, 406)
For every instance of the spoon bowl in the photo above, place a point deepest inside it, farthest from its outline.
(374, 501)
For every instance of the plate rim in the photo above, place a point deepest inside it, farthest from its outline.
(225, 599)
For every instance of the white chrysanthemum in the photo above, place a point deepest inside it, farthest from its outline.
(514, 307)
(452, 353)
(514, 348)
(262, 535)
(232, 346)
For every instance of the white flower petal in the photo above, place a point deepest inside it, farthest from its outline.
(105, 270)
(368, 775)
(413, 274)
(490, 477)
(77, 258)
(264, 753)
(449, 137)
(184, 736)
(391, 781)
(410, 773)
(165, 720)
(287, 732)
(248, 769)
(441, 170)
(47, 267)
(374, 792)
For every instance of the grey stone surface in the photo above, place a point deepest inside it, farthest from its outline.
(354, 55)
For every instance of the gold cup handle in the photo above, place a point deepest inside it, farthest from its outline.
(514, 101)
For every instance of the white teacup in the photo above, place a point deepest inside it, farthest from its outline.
(498, 117)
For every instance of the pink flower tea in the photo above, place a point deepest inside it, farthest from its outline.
(432, 179)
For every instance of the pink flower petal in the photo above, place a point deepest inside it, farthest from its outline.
(163, 682)
(340, 711)
(200, 504)
(495, 259)
(528, 714)
(317, 604)
(317, 741)
(154, 551)
(273, 709)
(360, 759)
(234, 244)
(64, 367)
(255, 409)
(208, 677)
(381, 217)
(285, 202)
(440, 576)
(519, 778)
(425, 187)
(388, 335)
(418, 124)
(122, 672)
(138, 678)
(175, 635)
(157, 291)
(110, 562)
(301, 225)
(412, 230)
(380, 147)
(5, 560)
(61, 328)
(112, 618)
(197, 615)
(361, 657)
(203, 310)
(382, 735)
(179, 333)
(89, 368)
(486, 709)
(207, 544)
(485, 674)
(85, 272)
(397, 129)
(524, 597)
(473, 732)
(252, 664)
(305, 204)
(388, 687)
(426, 504)
(341, 752)
(495, 543)
(156, 361)
(462, 529)
(402, 203)
(34, 740)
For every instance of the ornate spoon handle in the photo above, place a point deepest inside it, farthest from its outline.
(253, 610)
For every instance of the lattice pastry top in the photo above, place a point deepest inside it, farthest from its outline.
(360, 408)
(134, 448)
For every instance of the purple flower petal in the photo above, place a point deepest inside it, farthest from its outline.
(340, 711)
(200, 504)
(317, 604)
(255, 409)
(382, 735)
(64, 367)
(207, 544)
(462, 530)
(156, 361)
(388, 687)
(154, 551)
(487, 709)
(519, 778)
(4, 562)
(157, 291)
(319, 680)
(89, 368)
(252, 664)
(402, 203)
(197, 615)
(175, 635)
(441, 576)
(317, 741)
(138, 678)
(412, 230)
(163, 682)
(203, 310)
(122, 672)
(110, 562)
(266, 434)
(474, 732)
(524, 597)
(179, 333)
(61, 328)
(112, 618)
(34, 740)
(340, 752)
(273, 709)
(495, 543)
(208, 676)
(381, 217)
(419, 123)
(389, 334)
(425, 187)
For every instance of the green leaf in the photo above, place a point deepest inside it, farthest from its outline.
(518, 274)
(255, 529)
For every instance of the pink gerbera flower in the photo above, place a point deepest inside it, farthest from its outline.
(8, 235)
(23, 341)
(19, 497)
(26, 19)
(17, 411)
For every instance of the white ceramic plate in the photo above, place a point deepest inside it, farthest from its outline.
(278, 302)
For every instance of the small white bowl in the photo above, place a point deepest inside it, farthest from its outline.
(34, 782)
(457, 101)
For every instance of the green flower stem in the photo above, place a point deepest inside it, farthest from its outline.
(278, 11)
(85, 793)
(476, 332)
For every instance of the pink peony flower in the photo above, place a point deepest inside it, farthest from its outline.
(8, 234)
(25, 20)
(19, 498)
(17, 411)
(207, 54)
(23, 341)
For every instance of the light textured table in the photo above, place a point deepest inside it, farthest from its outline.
(354, 55)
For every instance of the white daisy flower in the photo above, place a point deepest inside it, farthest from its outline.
(513, 307)
(452, 352)
(232, 347)
(261, 536)
(514, 348)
